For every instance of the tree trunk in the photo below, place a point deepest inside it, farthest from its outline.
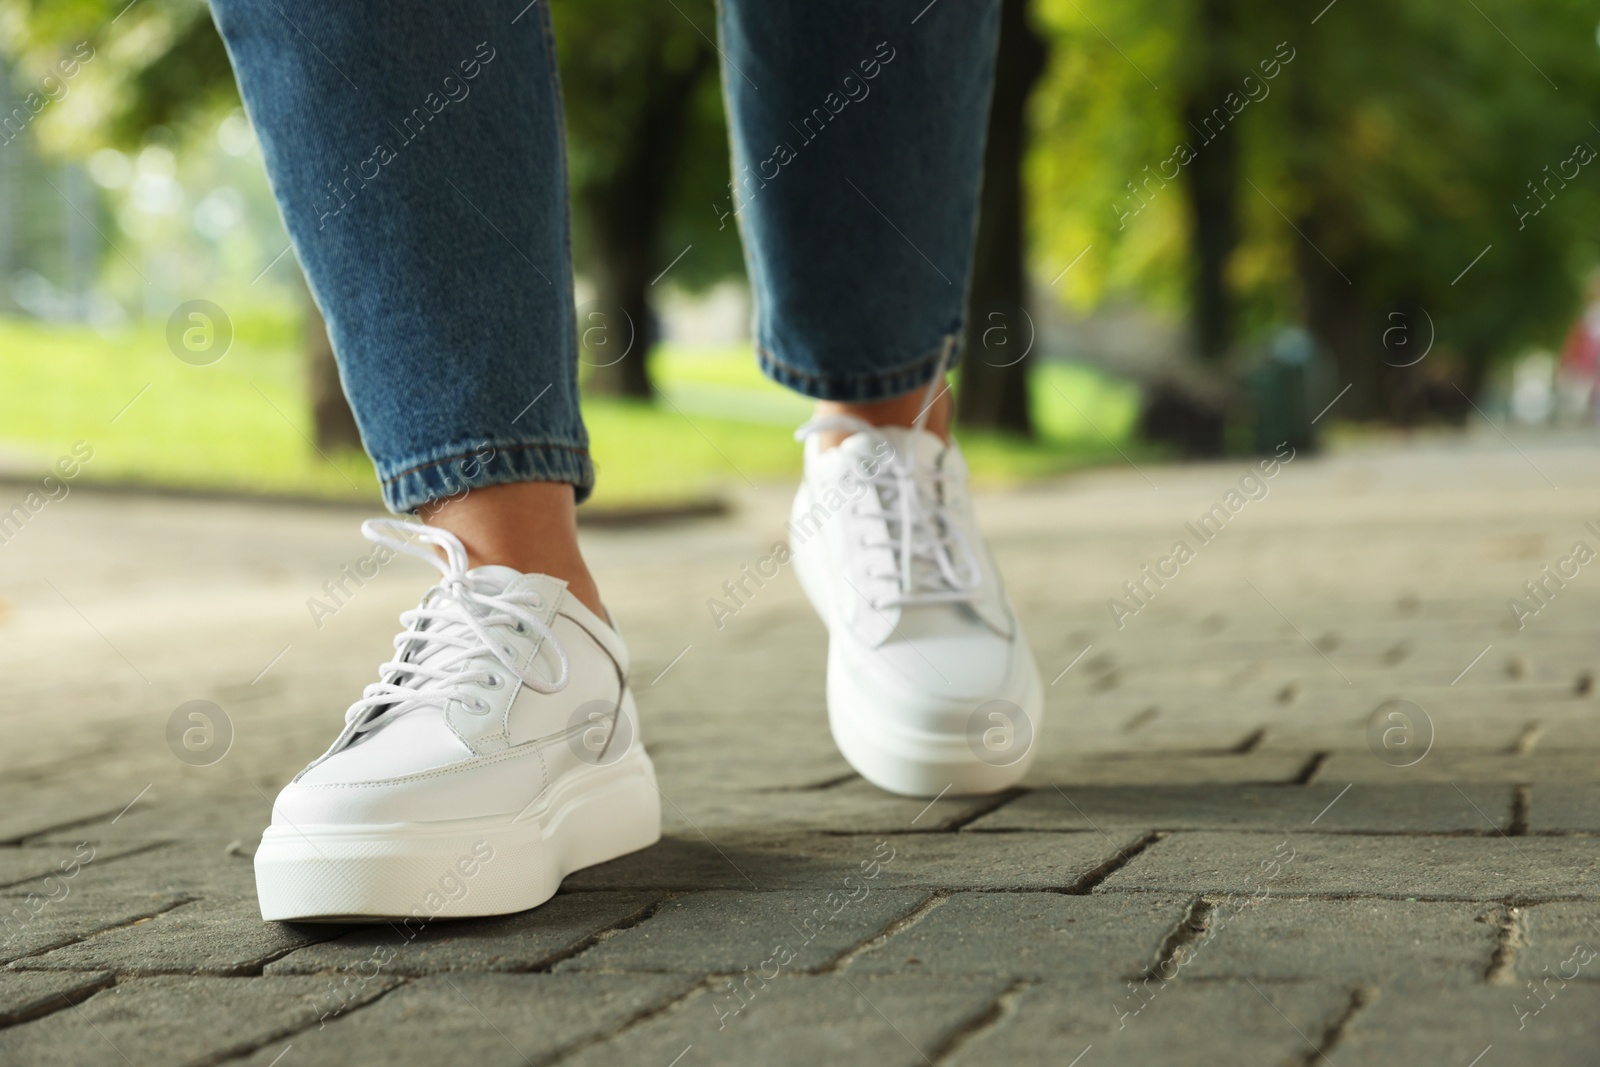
(1333, 300)
(333, 423)
(999, 334)
(1337, 315)
(615, 333)
(624, 214)
(1213, 183)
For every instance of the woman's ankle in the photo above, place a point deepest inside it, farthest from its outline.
(897, 411)
(528, 526)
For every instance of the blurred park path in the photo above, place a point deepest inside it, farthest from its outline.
(1324, 788)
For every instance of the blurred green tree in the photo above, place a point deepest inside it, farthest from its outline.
(1408, 186)
(1375, 152)
(1372, 170)
(644, 122)
(649, 159)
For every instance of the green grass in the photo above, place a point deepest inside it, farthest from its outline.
(242, 424)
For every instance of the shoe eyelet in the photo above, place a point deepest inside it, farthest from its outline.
(477, 706)
(521, 629)
(494, 681)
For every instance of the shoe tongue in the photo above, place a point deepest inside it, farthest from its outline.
(493, 578)
(903, 443)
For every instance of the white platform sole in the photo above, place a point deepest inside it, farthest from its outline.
(922, 764)
(459, 868)
(909, 762)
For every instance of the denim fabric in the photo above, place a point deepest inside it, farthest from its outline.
(417, 155)
(858, 152)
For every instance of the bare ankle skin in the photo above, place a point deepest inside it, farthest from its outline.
(898, 411)
(528, 526)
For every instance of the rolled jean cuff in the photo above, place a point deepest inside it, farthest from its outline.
(456, 469)
(864, 388)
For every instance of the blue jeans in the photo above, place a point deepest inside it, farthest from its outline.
(417, 155)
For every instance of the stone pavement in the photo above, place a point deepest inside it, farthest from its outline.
(1317, 800)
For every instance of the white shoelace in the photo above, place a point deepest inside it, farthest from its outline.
(918, 528)
(431, 651)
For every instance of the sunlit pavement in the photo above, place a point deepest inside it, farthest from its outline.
(1314, 789)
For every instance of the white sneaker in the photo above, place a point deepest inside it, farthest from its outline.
(931, 685)
(499, 753)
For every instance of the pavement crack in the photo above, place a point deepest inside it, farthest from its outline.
(1359, 998)
(246, 1049)
(12, 962)
(1250, 743)
(895, 926)
(66, 998)
(1003, 1007)
(1085, 885)
(650, 1011)
(988, 806)
(70, 824)
(98, 858)
(1309, 771)
(605, 933)
(1142, 719)
(1512, 923)
(1175, 948)
(259, 966)
(1526, 740)
(814, 787)
(1521, 803)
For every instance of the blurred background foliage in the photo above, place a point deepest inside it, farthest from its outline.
(1184, 202)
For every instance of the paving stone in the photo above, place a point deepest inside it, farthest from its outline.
(953, 861)
(215, 937)
(27, 995)
(45, 865)
(1031, 935)
(21, 865)
(1169, 769)
(1144, 721)
(1460, 868)
(852, 806)
(1560, 943)
(1328, 808)
(208, 811)
(517, 942)
(1197, 719)
(1181, 1023)
(1570, 733)
(1443, 765)
(807, 1020)
(33, 924)
(1418, 1022)
(1190, 719)
(58, 806)
(694, 755)
(1348, 941)
(173, 1019)
(1563, 807)
(482, 1019)
(184, 868)
(730, 930)
(1490, 721)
